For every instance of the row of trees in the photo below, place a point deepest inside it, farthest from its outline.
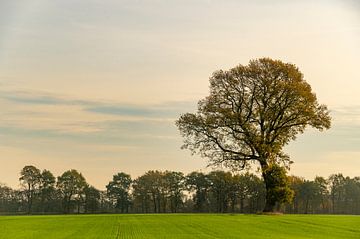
(167, 191)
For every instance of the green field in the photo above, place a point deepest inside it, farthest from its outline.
(180, 226)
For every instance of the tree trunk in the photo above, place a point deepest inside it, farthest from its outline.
(269, 206)
(242, 204)
(270, 202)
(29, 199)
(155, 204)
(233, 201)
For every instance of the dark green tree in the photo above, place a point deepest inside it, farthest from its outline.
(30, 181)
(246, 191)
(255, 193)
(92, 199)
(142, 196)
(198, 183)
(252, 112)
(220, 188)
(337, 192)
(9, 201)
(118, 191)
(308, 192)
(322, 195)
(237, 192)
(71, 185)
(152, 188)
(352, 195)
(47, 190)
(295, 185)
(175, 183)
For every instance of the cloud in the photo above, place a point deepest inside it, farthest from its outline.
(166, 109)
(352, 3)
(162, 111)
(39, 98)
(43, 117)
(54, 114)
(347, 115)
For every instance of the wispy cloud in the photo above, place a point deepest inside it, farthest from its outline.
(44, 116)
(347, 115)
(39, 98)
(166, 109)
(45, 111)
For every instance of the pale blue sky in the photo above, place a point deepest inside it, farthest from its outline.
(97, 85)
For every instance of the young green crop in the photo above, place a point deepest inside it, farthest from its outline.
(180, 226)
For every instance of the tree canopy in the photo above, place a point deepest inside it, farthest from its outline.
(30, 180)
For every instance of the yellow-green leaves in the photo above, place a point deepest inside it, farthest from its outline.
(252, 112)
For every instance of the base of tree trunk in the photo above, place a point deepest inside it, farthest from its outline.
(270, 213)
(270, 206)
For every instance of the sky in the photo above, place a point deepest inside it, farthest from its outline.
(97, 85)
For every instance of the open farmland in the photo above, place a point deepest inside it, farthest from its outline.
(180, 226)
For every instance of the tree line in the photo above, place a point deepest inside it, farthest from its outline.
(172, 192)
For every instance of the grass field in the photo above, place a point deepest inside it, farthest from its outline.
(180, 226)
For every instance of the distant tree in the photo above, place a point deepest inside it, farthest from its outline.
(142, 195)
(321, 186)
(295, 184)
(30, 177)
(356, 196)
(118, 191)
(105, 203)
(252, 112)
(199, 184)
(155, 182)
(247, 191)
(337, 192)
(237, 192)
(47, 190)
(175, 183)
(8, 202)
(150, 188)
(220, 188)
(255, 192)
(351, 195)
(308, 193)
(71, 185)
(92, 199)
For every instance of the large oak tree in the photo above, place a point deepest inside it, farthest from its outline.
(252, 112)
